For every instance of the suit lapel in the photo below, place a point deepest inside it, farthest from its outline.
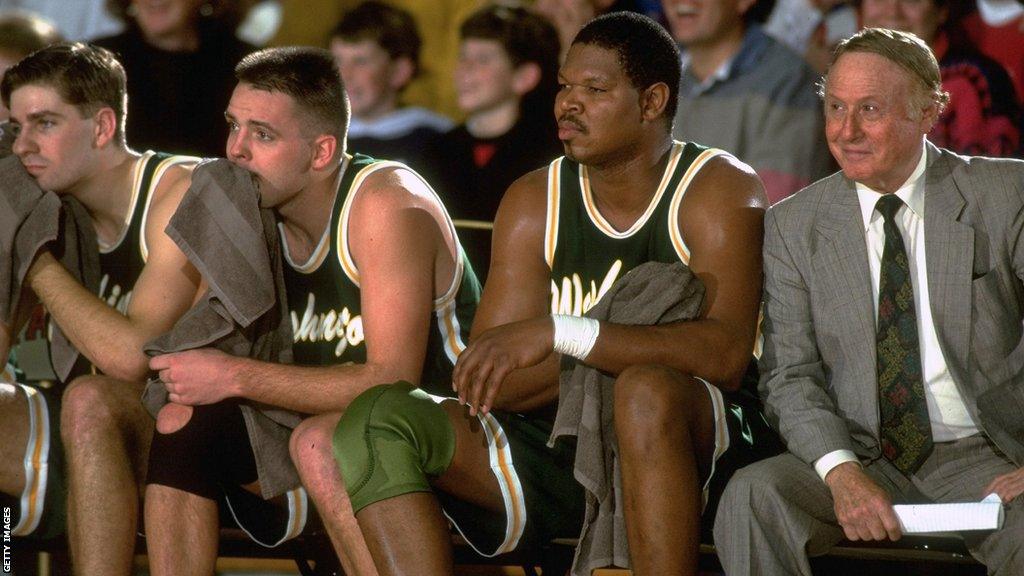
(949, 256)
(844, 262)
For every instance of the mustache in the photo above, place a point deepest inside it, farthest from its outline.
(574, 121)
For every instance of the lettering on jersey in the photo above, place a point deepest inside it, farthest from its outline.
(116, 298)
(327, 327)
(570, 297)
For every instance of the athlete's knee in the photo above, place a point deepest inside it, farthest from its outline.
(310, 442)
(649, 401)
(389, 441)
(89, 405)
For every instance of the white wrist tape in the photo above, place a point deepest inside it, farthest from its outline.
(575, 336)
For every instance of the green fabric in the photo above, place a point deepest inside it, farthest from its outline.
(389, 440)
(553, 498)
(326, 305)
(587, 260)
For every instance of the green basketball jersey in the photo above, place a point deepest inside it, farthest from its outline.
(324, 297)
(121, 263)
(586, 254)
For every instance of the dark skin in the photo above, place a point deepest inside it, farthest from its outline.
(621, 134)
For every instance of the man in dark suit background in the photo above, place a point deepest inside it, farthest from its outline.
(893, 317)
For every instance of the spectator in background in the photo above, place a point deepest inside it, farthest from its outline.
(76, 19)
(22, 33)
(812, 27)
(506, 80)
(180, 57)
(309, 23)
(746, 93)
(983, 117)
(997, 29)
(377, 48)
(568, 16)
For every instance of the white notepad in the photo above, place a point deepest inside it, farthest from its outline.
(955, 517)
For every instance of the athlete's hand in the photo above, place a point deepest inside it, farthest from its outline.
(863, 508)
(197, 377)
(1008, 486)
(491, 357)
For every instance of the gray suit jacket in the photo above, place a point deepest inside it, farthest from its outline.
(818, 376)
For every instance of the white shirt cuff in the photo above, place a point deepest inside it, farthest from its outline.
(826, 463)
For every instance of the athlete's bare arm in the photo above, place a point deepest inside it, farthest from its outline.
(166, 288)
(399, 247)
(721, 220)
(518, 291)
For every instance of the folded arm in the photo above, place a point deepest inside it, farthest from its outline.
(166, 288)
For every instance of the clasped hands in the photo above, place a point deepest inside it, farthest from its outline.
(484, 365)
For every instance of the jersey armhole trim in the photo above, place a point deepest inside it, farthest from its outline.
(348, 264)
(137, 172)
(678, 244)
(554, 203)
(161, 168)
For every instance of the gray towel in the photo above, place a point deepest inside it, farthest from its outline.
(234, 244)
(652, 293)
(29, 220)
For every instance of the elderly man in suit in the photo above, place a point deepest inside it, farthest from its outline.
(893, 354)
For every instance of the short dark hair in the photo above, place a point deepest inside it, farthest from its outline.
(22, 33)
(309, 75)
(87, 77)
(391, 28)
(647, 52)
(526, 37)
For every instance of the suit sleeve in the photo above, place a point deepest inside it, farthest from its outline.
(793, 380)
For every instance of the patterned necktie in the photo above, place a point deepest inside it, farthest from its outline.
(905, 427)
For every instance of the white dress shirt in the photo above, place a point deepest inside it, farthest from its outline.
(947, 411)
